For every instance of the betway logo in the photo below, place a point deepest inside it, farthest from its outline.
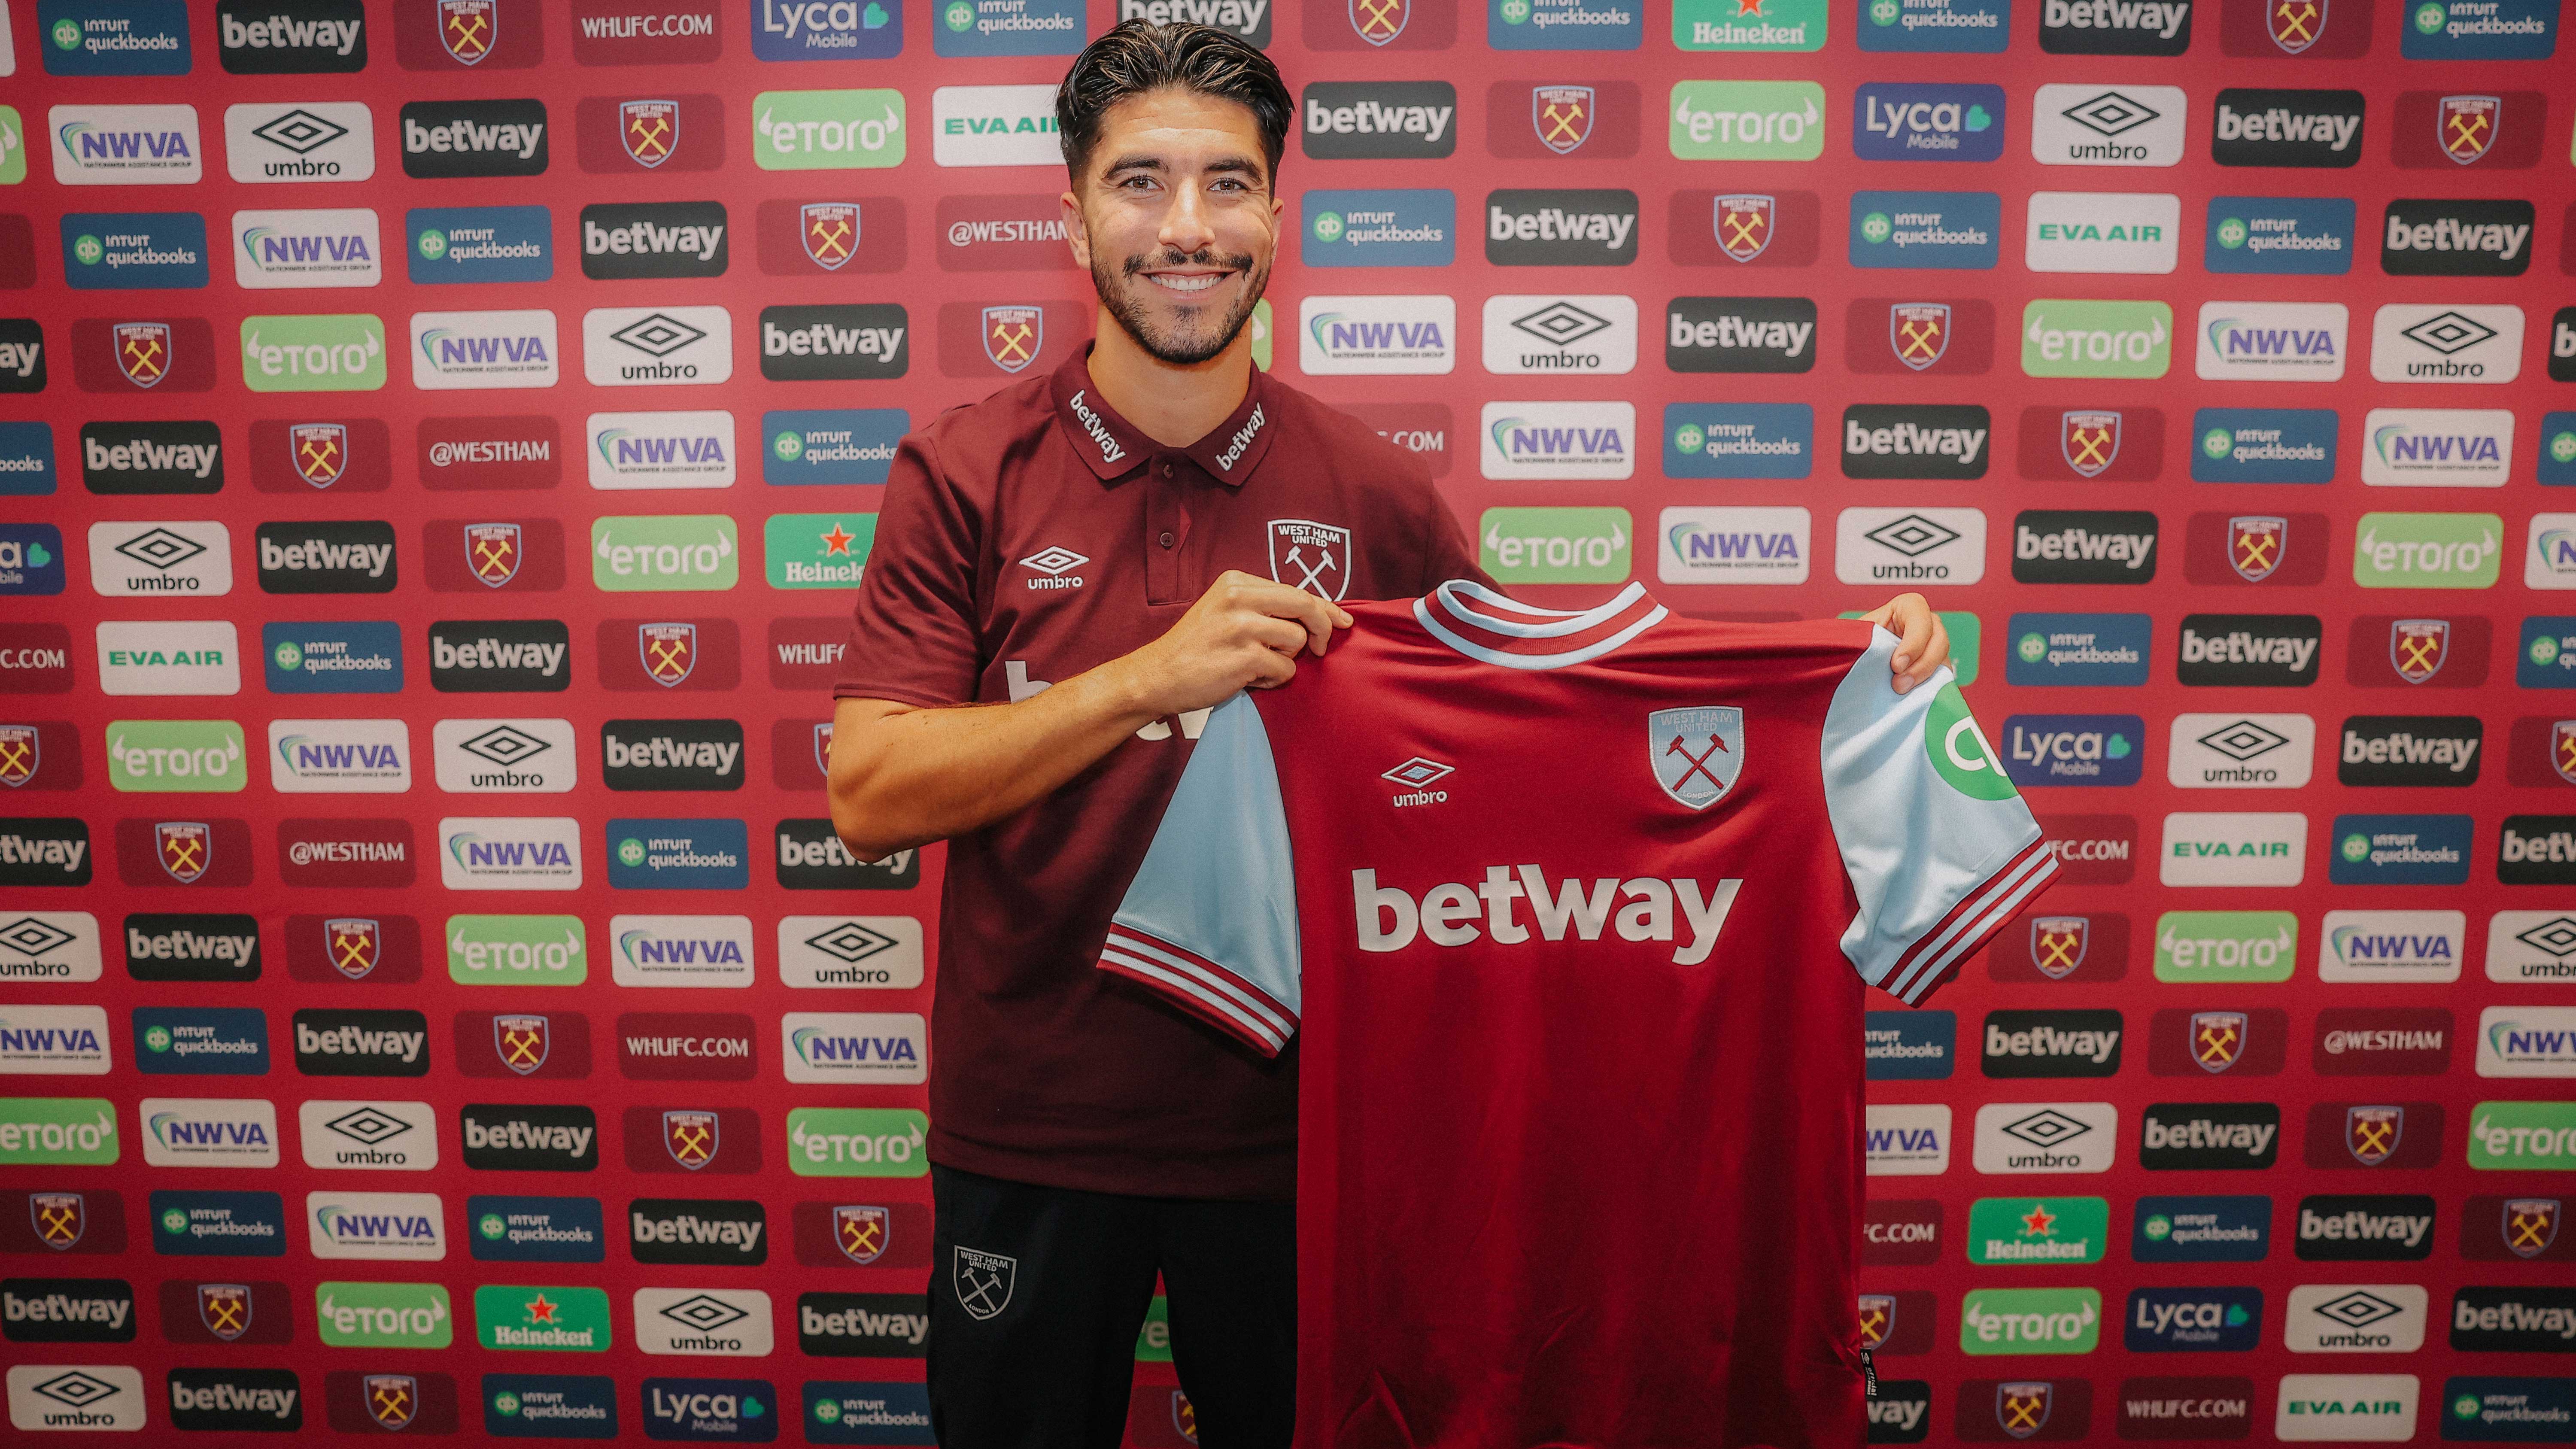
(2129, 549)
(178, 945)
(1444, 913)
(318, 555)
(1241, 440)
(1902, 1415)
(1913, 440)
(1790, 338)
(20, 358)
(2357, 1226)
(18, 850)
(1110, 452)
(138, 456)
(465, 135)
(2512, 1316)
(740, 1234)
(1369, 118)
(357, 1041)
(860, 1323)
(490, 653)
(2404, 747)
(284, 32)
(643, 238)
(2049, 1041)
(224, 1398)
(2241, 647)
(108, 1312)
(1550, 223)
(2164, 17)
(2501, 240)
(2280, 123)
(664, 753)
(520, 1136)
(822, 339)
(2251, 1138)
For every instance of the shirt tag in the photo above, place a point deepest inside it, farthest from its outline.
(1868, 1375)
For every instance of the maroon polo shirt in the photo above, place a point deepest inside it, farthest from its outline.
(1026, 539)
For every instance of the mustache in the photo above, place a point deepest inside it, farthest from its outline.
(1174, 257)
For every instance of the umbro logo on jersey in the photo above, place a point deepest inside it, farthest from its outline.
(1055, 567)
(1417, 775)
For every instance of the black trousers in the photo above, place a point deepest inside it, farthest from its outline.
(1037, 1295)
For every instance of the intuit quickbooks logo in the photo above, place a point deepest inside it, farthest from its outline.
(1378, 228)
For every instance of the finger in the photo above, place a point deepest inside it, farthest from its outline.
(1284, 636)
(1272, 669)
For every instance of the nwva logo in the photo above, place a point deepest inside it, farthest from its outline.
(625, 449)
(2303, 340)
(510, 854)
(855, 1046)
(450, 350)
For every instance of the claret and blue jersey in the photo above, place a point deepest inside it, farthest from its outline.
(1574, 912)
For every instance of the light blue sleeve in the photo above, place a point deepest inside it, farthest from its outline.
(1210, 920)
(1940, 850)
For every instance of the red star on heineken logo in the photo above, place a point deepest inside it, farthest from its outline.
(2039, 1222)
(541, 1310)
(1749, 7)
(837, 541)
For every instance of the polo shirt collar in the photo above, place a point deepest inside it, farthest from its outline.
(1113, 447)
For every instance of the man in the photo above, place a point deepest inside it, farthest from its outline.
(1095, 559)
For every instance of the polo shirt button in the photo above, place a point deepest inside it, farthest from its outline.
(1167, 538)
(1167, 470)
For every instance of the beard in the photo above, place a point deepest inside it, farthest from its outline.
(1197, 335)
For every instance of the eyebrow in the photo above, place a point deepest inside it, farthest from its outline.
(1223, 165)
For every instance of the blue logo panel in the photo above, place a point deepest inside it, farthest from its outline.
(2557, 451)
(113, 37)
(550, 1406)
(2479, 1409)
(2226, 1229)
(2398, 850)
(838, 1412)
(1377, 228)
(105, 250)
(826, 29)
(2080, 649)
(2547, 657)
(1910, 1046)
(2192, 1320)
(1949, 230)
(478, 244)
(829, 445)
(348, 658)
(1959, 27)
(1914, 122)
(1739, 440)
(2074, 749)
(710, 1411)
(26, 459)
(2263, 445)
(1564, 24)
(2479, 30)
(31, 559)
(218, 1225)
(535, 1229)
(214, 1041)
(2280, 236)
(969, 28)
(679, 855)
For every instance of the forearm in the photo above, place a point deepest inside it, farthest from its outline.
(905, 777)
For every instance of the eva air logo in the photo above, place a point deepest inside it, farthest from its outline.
(2428, 18)
(630, 852)
(1328, 226)
(959, 17)
(67, 34)
(1875, 228)
(1958, 749)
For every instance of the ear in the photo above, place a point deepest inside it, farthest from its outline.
(1076, 234)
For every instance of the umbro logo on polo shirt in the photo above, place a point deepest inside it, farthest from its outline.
(1052, 565)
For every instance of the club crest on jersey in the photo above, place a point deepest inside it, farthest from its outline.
(184, 848)
(392, 1399)
(983, 1281)
(1380, 21)
(1744, 224)
(2089, 440)
(468, 28)
(59, 1218)
(492, 552)
(2021, 1410)
(2217, 1039)
(2371, 1134)
(1562, 116)
(142, 351)
(2255, 544)
(823, 747)
(1877, 1319)
(1919, 331)
(1185, 1419)
(1697, 753)
(1013, 335)
(691, 1137)
(2057, 944)
(862, 1232)
(830, 232)
(354, 943)
(22, 751)
(320, 451)
(224, 1308)
(2294, 25)
(2417, 647)
(522, 1041)
(650, 129)
(2530, 1225)
(670, 651)
(1312, 556)
(2468, 126)
(2562, 749)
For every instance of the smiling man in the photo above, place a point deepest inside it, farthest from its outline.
(1091, 561)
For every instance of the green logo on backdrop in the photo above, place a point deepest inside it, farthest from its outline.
(2427, 550)
(2043, 1230)
(2064, 338)
(545, 1320)
(1259, 327)
(382, 1315)
(2226, 946)
(664, 553)
(2030, 1320)
(176, 755)
(2516, 1136)
(1958, 749)
(1154, 1340)
(336, 353)
(1556, 545)
(1768, 25)
(826, 130)
(517, 950)
(57, 1130)
(1748, 120)
(13, 147)
(856, 1142)
(817, 550)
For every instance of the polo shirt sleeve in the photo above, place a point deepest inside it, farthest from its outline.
(913, 636)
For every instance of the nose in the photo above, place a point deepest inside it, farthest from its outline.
(1185, 226)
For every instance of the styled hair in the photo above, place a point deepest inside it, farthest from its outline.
(1139, 56)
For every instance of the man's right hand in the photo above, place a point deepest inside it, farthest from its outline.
(1243, 633)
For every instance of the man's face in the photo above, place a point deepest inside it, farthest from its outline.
(1176, 220)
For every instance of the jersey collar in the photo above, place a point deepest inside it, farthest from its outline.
(1491, 628)
(1113, 447)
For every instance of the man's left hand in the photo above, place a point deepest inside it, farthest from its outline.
(1922, 645)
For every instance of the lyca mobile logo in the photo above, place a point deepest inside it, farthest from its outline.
(827, 130)
(826, 29)
(1918, 122)
(1747, 121)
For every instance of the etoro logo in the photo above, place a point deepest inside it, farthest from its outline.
(1747, 121)
(2030, 1321)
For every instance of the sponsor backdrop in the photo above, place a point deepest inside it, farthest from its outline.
(441, 437)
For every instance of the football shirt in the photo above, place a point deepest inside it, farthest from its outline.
(1574, 913)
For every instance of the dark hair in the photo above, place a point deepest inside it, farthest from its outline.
(1139, 56)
